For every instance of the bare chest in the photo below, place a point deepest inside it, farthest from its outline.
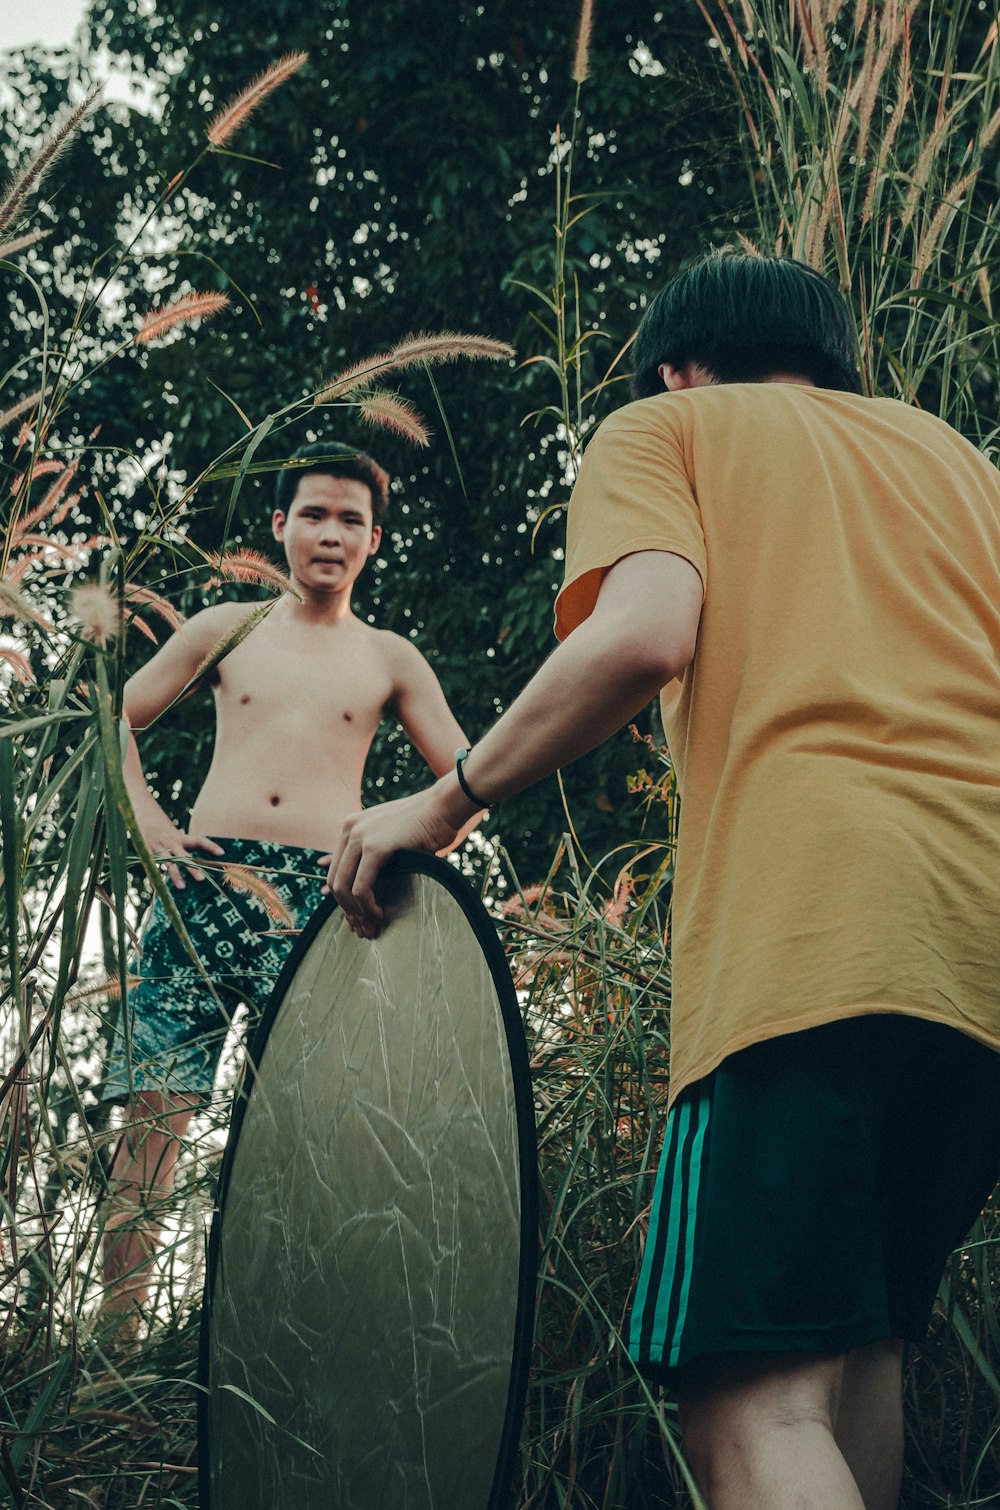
(327, 687)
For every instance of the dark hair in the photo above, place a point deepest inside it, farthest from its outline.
(332, 458)
(741, 317)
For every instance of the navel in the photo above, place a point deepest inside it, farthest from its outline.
(275, 800)
(349, 716)
(245, 698)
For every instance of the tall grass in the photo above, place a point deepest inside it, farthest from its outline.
(85, 1418)
(871, 132)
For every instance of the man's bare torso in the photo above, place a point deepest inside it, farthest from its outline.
(297, 707)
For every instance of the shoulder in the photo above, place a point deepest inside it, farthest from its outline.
(663, 412)
(407, 666)
(399, 652)
(211, 625)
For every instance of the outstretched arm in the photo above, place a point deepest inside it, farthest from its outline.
(428, 722)
(641, 635)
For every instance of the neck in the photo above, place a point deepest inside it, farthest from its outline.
(790, 377)
(319, 607)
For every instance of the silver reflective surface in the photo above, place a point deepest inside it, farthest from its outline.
(367, 1278)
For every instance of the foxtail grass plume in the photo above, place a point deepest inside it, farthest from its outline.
(179, 312)
(229, 642)
(353, 378)
(96, 611)
(241, 878)
(252, 567)
(387, 411)
(31, 175)
(951, 199)
(925, 161)
(985, 292)
(39, 469)
(158, 604)
(110, 989)
(21, 407)
(21, 243)
(55, 517)
(427, 348)
(43, 545)
(424, 349)
(581, 56)
(19, 664)
(14, 606)
(50, 508)
(232, 116)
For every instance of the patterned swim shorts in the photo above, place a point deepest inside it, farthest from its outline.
(173, 1029)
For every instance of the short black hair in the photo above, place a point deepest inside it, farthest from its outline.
(742, 316)
(334, 458)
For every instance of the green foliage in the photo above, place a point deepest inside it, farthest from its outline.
(413, 183)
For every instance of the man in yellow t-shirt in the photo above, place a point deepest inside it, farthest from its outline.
(814, 578)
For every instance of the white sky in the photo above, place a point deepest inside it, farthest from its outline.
(52, 22)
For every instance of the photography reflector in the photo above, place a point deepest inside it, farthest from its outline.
(369, 1298)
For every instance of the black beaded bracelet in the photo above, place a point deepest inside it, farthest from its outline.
(460, 757)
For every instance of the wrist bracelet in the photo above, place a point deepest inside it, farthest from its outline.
(460, 757)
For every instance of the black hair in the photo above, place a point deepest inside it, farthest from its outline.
(742, 317)
(332, 458)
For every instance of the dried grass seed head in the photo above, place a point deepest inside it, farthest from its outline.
(426, 348)
(252, 567)
(34, 171)
(179, 312)
(96, 611)
(581, 52)
(232, 116)
(388, 411)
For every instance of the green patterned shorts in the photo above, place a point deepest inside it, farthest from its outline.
(173, 1032)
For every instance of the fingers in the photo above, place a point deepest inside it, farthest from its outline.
(200, 841)
(175, 877)
(352, 878)
(192, 842)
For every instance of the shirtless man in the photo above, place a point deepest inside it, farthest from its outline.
(298, 702)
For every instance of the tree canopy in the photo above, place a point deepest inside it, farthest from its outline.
(403, 180)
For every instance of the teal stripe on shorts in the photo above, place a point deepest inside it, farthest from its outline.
(811, 1189)
(663, 1291)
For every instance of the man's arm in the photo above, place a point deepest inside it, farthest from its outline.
(641, 634)
(422, 709)
(146, 696)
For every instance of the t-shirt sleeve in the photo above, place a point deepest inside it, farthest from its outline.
(634, 493)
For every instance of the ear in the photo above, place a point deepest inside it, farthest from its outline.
(278, 524)
(676, 378)
(376, 539)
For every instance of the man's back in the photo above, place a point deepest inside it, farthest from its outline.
(835, 731)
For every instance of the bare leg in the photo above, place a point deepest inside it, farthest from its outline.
(142, 1175)
(869, 1421)
(759, 1433)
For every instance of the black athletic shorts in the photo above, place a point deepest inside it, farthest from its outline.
(811, 1189)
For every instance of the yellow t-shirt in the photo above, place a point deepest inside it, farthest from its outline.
(837, 735)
